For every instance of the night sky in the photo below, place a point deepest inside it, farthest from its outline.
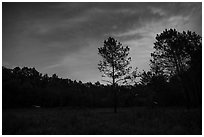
(63, 38)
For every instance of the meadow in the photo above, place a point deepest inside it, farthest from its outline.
(101, 121)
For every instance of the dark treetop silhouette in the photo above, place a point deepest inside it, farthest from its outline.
(174, 52)
(179, 54)
(115, 63)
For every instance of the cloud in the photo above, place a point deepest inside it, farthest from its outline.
(63, 38)
(52, 66)
(149, 29)
(79, 65)
(158, 11)
(141, 39)
(60, 30)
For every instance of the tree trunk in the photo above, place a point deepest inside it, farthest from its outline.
(186, 92)
(115, 93)
(115, 100)
(181, 79)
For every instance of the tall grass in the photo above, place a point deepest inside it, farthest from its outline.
(138, 120)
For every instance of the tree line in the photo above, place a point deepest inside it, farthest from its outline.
(26, 87)
(175, 78)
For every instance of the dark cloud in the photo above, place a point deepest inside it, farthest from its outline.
(136, 36)
(44, 33)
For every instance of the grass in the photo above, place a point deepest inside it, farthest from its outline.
(67, 121)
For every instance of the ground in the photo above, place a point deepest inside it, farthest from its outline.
(134, 120)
